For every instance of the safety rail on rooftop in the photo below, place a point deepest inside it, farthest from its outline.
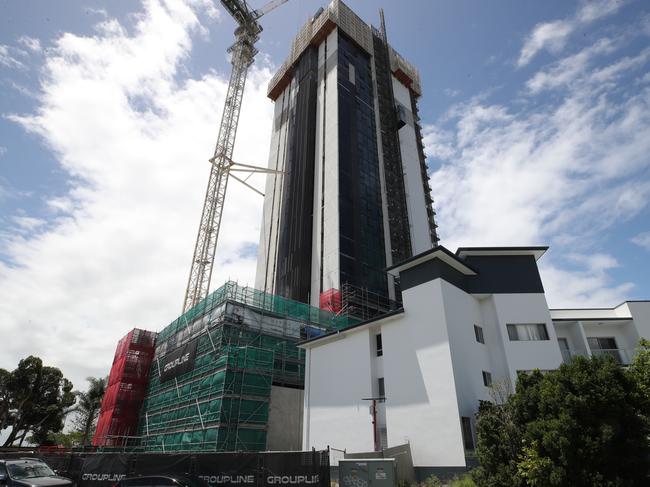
(231, 291)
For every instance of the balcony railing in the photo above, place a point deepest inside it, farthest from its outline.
(569, 355)
(621, 356)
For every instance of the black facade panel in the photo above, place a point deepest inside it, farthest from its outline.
(361, 226)
(293, 271)
(503, 274)
(428, 271)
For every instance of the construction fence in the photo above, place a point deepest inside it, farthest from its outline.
(267, 469)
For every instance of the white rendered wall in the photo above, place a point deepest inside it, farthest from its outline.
(469, 357)
(640, 312)
(526, 355)
(421, 404)
(337, 378)
(416, 204)
(494, 340)
(330, 264)
(574, 335)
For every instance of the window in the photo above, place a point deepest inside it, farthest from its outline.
(487, 379)
(604, 346)
(478, 331)
(527, 332)
(468, 439)
(380, 350)
(381, 387)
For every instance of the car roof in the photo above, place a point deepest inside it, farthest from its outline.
(23, 459)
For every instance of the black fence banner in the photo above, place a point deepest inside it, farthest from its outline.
(228, 469)
(178, 361)
(103, 470)
(294, 469)
(165, 464)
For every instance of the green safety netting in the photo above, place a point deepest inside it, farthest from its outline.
(254, 298)
(222, 404)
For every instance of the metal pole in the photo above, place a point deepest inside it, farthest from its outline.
(199, 410)
(214, 349)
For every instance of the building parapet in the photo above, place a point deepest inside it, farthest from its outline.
(319, 26)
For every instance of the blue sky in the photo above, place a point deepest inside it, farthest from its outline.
(535, 117)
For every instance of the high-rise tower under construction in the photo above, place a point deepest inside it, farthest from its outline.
(352, 196)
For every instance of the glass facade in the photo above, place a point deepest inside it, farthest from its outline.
(293, 270)
(362, 253)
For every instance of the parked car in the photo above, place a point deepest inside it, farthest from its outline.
(159, 481)
(30, 472)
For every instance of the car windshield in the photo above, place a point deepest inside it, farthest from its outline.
(28, 470)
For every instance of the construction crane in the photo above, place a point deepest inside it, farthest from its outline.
(243, 53)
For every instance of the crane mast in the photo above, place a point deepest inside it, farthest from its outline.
(243, 53)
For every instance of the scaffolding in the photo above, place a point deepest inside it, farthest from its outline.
(245, 344)
(127, 383)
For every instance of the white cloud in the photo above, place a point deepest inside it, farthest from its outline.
(3, 150)
(30, 43)
(28, 223)
(134, 133)
(563, 72)
(7, 59)
(549, 35)
(642, 240)
(438, 142)
(559, 172)
(590, 287)
(553, 36)
(451, 93)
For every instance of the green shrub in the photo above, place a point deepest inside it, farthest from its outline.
(431, 481)
(464, 481)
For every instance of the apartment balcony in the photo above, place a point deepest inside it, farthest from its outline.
(621, 356)
(569, 356)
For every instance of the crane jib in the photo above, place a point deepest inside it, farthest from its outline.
(243, 53)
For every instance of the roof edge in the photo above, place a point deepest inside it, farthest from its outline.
(438, 252)
(536, 251)
(343, 331)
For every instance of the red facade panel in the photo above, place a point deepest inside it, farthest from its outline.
(330, 300)
(127, 383)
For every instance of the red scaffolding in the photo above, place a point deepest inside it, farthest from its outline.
(127, 383)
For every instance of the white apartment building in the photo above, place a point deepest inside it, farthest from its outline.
(469, 319)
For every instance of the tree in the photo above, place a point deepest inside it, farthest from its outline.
(37, 398)
(87, 408)
(585, 424)
(5, 377)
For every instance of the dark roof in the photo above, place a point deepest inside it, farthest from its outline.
(336, 332)
(536, 251)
